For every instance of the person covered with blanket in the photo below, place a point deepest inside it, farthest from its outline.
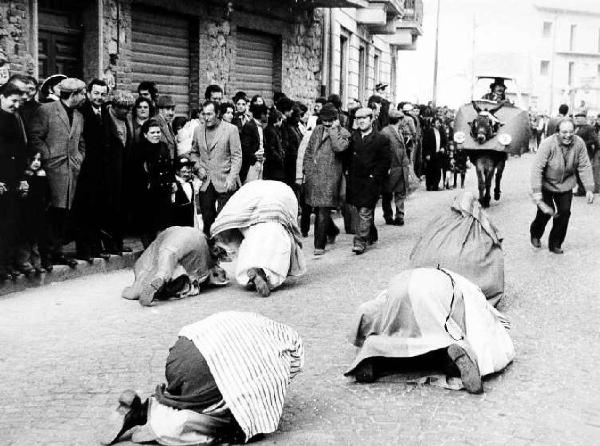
(175, 265)
(227, 377)
(259, 223)
(435, 324)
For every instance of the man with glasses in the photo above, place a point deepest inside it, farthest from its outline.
(217, 154)
(369, 160)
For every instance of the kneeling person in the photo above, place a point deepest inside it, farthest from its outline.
(259, 222)
(434, 319)
(174, 266)
(227, 377)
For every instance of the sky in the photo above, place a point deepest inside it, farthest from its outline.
(499, 33)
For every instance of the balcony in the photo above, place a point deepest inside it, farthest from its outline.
(412, 19)
(381, 16)
(328, 3)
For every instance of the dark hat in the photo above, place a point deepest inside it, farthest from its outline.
(380, 86)
(182, 162)
(165, 101)
(328, 112)
(51, 81)
(499, 82)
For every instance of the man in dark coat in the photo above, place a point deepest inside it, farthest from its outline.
(57, 133)
(118, 167)
(252, 139)
(323, 170)
(87, 211)
(434, 140)
(396, 186)
(369, 161)
(587, 132)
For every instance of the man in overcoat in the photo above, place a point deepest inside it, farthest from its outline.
(396, 185)
(57, 132)
(217, 154)
(87, 211)
(369, 161)
(434, 140)
(323, 170)
(165, 115)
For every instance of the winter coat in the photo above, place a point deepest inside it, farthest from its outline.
(397, 180)
(322, 166)
(291, 136)
(368, 163)
(273, 168)
(62, 147)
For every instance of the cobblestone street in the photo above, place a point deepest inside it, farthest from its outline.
(69, 349)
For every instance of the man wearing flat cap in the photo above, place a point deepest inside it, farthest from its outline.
(368, 163)
(56, 132)
(166, 113)
(323, 170)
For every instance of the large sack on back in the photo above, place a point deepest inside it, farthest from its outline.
(464, 240)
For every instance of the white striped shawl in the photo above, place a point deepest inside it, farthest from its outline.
(252, 360)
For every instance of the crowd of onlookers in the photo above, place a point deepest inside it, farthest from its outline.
(82, 163)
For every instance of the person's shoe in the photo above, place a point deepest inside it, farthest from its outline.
(398, 221)
(258, 277)
(103, 255)
(126, 249)
(331, 239)
(128, 414)
(389, 221)
(150, 290)
(469, 371)
(497, 195)
(27, 269)
(62, 260)
(556, 250)
(365, 372)
(579, 193)
(86, 258)
(319, 252)
(535, 242)
(5, 276)
(358, 250)
(15, 273)
(305, 234)
(39, 270)
(47, 265)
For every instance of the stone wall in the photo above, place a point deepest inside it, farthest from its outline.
(116, 57)
(14, 35)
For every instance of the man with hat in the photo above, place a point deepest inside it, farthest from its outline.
(49, 91)
(57, 133)
(587, 132)
(166, 113)
(323, 170)
(368, 163)
(396, 186)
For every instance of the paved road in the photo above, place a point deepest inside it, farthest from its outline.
(67, 350)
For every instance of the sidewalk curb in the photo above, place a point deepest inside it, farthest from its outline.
(60, 273)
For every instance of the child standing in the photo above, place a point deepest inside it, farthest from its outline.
(460, 166)
(33, 254)
(183, 199)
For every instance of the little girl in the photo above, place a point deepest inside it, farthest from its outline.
(33, 256)
(460, 166)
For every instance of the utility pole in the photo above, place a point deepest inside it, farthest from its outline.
(435, 63)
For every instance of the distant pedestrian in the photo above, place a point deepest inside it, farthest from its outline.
(553, 178)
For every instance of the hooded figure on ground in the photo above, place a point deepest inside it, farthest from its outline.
(177, 262)
(227, 377)
(259, 223)
(431, 325)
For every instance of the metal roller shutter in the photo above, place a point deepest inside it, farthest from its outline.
(161, 53)
(254, 63)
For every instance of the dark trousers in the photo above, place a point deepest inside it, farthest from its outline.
(59, 228)
(366, 232)
(8, 230)
(208, 200)
(433, 172)
(386, 205)
(561, 202)
(305, 211)
(324, 227)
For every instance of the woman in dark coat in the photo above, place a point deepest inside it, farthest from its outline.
(274, 168)
(291, 136)
(159, 180)
(13, 185)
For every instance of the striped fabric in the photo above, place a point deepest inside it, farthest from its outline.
(252, 360)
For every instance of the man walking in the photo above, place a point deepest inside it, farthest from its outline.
(369, 161)
(217, 153)
(57, 133)
(396, 186)
(323, 172)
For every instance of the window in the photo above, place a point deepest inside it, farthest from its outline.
(544, 65)
(572, 37)
(343, 67)
(547, 29)
(376, 67)
(571, 73)
(361, 73)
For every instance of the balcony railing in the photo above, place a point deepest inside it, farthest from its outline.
(413, 16)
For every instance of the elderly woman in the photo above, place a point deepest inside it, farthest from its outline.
(553, 178)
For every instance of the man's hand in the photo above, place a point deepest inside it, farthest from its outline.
(3, 188)
(23, 186)
(230, 184)
(589, 195)
(542, 206)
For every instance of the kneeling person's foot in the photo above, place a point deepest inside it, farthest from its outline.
(469, 371)
(130, 412)
(150, 290)
(258, 277)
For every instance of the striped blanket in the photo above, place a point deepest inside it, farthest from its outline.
(252, 360)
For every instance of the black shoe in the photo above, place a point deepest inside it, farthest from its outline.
(358, 250)
(389, 221)
(62, 260)
(579, 193)
(536, 242)
(398, 221)
(556, 250)
(47, 265)
(27, 269)
(102, 255)
(331, 239)
(15, 273)
(130, 412)
(86, 258)
(469, 371)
